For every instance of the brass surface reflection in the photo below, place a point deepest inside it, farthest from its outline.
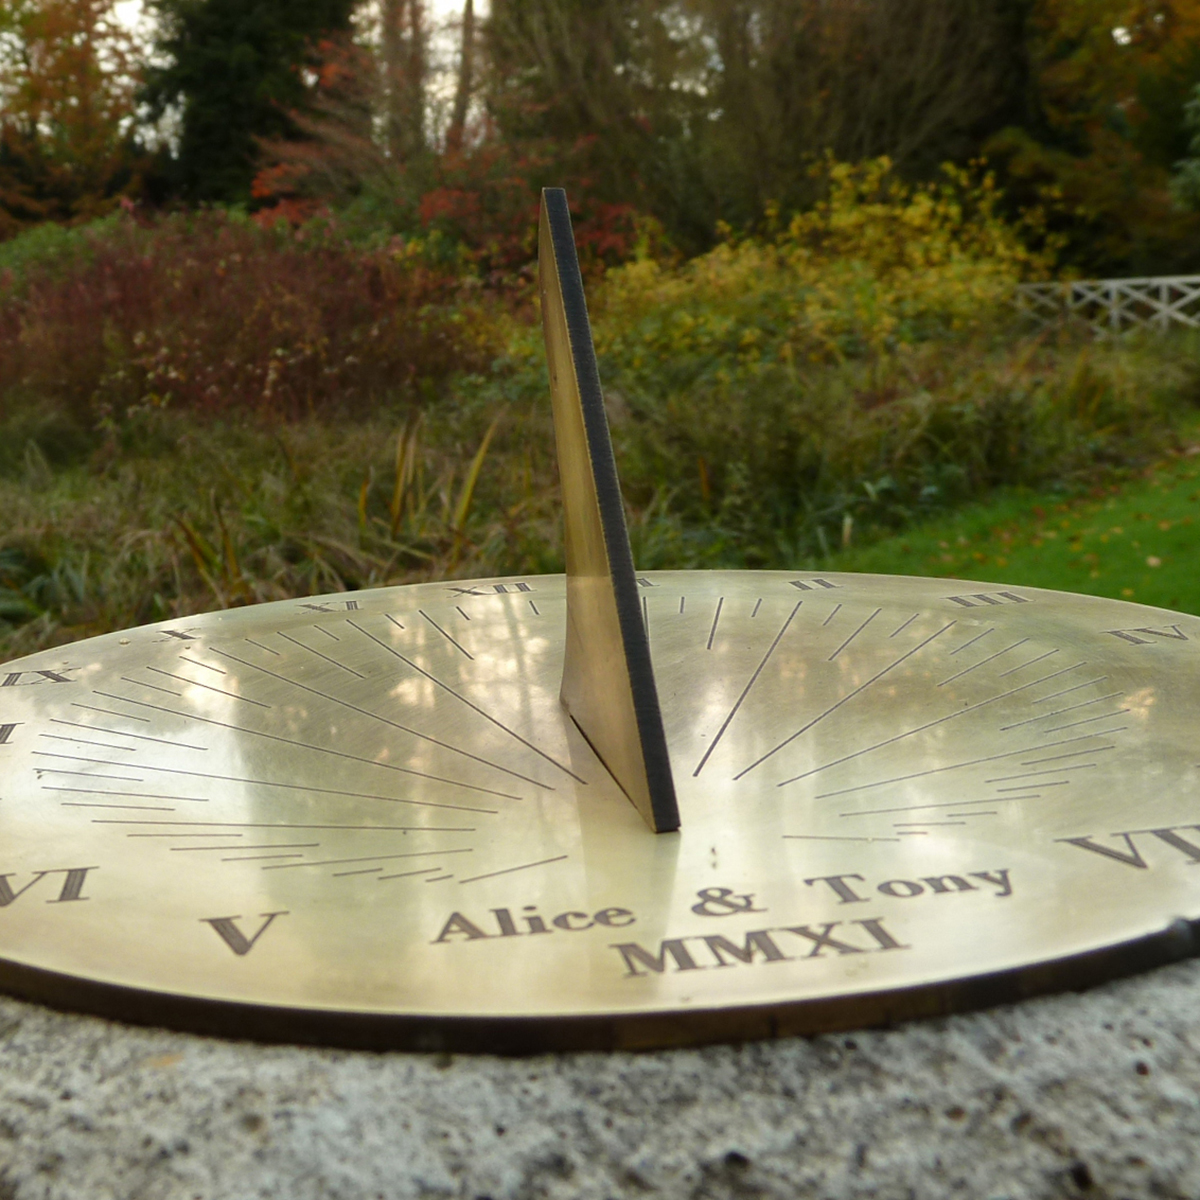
(368, 818)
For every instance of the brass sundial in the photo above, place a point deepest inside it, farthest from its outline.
(403, 817)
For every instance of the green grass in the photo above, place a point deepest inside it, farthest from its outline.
(1139, 540)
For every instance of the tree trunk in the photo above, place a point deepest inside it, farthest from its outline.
(466, 80)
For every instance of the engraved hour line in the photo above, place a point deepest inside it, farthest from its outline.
(819, 837)
(928, 725)
(757, 606)
(337, 862)
(1044, 771)
(275, 737)
(471, 705)
(207, 666)
(681, 599)
(321, 629)
(974, 762)
(120, 807)
(712, 633)
(874, 812)
(509, 870)
(406, 874)
(1030, 663)
(746, 690)
(142, 737)
(366, 712)
(535, 609)
(108, 712)
(1030, 762)
(86, 774)
(854, 634)
(460, 609)
(295, 787)
(183, 849)
(977, 638)
(1058, 712)
(1067, 691)
(332, 661)
(1120, 712)
(286, 825)
(904, 626)
(837, 609)
(59, 737)
(207, 687)
(263, 858)
(983, 662)
(850, 696)
(125, 795)
(440, 630)
(266, 648)
(152, 686)
(439, 878)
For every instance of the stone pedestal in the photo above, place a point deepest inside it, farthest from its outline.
(1077, 1095)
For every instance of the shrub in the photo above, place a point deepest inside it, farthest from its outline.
(211, 314)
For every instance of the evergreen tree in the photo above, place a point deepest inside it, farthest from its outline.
(234, 69)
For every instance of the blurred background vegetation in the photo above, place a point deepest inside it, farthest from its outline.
(268, 324)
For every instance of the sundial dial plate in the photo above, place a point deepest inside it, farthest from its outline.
(369, 818)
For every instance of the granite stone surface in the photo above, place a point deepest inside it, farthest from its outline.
(1093, 1095)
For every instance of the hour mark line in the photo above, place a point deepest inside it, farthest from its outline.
(1075, 724)
(1059, 711)
(1030, 663)
(277, 825)
(207, 666)
(873, 812)
(440, 630)
(1043, 771)
(712, 633)
(127, 807)
(331, 661)
(817, 837)
(904, 626)
(854, 634)
(509, 870)
(109, 713)
(746, 690)
(59, 737)
(837, 609)
(983, 662)
(968, 645)
(125, 795)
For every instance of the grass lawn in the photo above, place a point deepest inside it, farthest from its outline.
(1139, 540)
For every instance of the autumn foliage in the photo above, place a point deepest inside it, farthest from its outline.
(212, 314)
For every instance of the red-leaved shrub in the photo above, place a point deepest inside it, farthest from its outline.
(213, 314)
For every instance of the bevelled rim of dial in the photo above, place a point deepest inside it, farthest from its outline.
(366, 818)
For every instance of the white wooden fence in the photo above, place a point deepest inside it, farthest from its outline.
(1111, 306)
